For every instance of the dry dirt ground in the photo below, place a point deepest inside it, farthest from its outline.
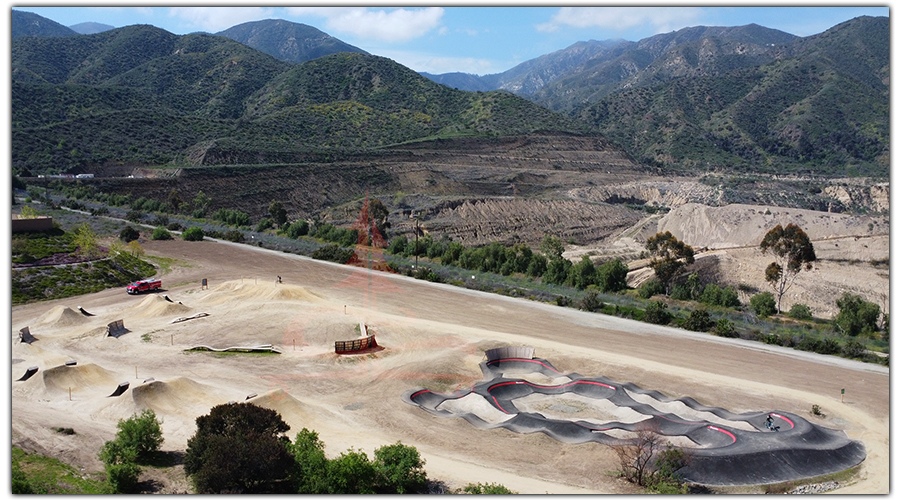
(433, 336)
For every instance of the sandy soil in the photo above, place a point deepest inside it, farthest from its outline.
(433, 336)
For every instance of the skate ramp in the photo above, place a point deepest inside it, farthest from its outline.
(78, 378)
(83, 312)
(727, 448)
(116, 328)
(62, 316)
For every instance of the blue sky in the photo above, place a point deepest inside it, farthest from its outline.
(470, 39)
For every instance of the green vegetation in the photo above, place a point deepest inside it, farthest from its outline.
(137, 440)
(487, 489)
(763, 304)
(36, 474)
(856, 316)
(241, 448)
(669, 257)
(193, 233)
(793, 252)
(58, 268)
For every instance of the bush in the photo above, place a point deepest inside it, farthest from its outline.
(351, 473)
(856, 315)
(591, 301)
(333, 253)
(800, 311)
(129, 234)
(725, 328)
(763, 304)
(233, 235)
(123, 478)
(724, 297)
(698, 321)
(309, 454)
(297, 229)
(487, 489)
(192, 234)
(657, 313)
(142, 433)
(161, 233)
(651, 287)
(263, 224)
(612, 276)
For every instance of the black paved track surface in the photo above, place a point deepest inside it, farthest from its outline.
(724, 455)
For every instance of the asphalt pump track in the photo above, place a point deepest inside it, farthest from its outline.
(724, 455)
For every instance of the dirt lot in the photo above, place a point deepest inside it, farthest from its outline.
(433, 336)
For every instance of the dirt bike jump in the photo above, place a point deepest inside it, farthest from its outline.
(727, 449)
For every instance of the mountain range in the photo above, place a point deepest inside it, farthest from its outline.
(707, 98)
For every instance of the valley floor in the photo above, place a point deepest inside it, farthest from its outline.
(433, 336)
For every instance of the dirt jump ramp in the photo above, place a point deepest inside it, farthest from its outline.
(26, 336)
(731, 449)
(28, 374)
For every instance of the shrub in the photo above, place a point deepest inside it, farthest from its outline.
(487, 489)
(142, 433)
(612, 276)
(351, 473)
(651, 287)
(591, 301)
(297, 229)
(856, 315)
(800, 311)
(161, 233)
(698, 321)
(123, 478)
(193, 233)
(309, 454)
(263, 224)
(657, 313)
(333, 253)
(134, 216)
(763, 304)
(725, 328)
(129, 234)
(233, 235)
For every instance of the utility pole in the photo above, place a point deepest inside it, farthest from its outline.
(417, 242)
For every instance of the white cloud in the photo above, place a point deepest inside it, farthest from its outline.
(398, 25)
(621, 18)
(430, 63)
(215, 19)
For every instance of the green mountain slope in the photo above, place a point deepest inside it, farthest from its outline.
(200, 99)
(287, 41)
(822, 107)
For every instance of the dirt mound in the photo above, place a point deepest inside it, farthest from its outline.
(62, 316)
(295, 413)
(259, 291)
(155, 306)
(746, 225)
(78, 378)
(178, 396)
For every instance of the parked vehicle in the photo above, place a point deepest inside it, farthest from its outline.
(142, 286)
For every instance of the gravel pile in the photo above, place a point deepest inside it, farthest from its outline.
(814, 489)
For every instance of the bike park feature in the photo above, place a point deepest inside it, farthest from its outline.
(727, 449)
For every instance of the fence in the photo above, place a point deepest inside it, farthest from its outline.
(344, 346)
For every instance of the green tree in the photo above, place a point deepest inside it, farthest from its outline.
(612, 276)
(856, 315)
(793, 252)
(200, 204)
(278, 213)
(312, 465)
(351, 473)
(120, 462)
(591, 301)
(240, 448)
(400, 469)
(583, 274)
(86, 240)
(552, 247)
(28, 212)
(650, 288)
(557, 271)
(763, 304)
(669, 256)
(174, 200)
(141, 432)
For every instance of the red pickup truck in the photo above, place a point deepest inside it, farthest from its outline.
(141, 286)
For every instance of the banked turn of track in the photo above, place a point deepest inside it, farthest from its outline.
(724, 456)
